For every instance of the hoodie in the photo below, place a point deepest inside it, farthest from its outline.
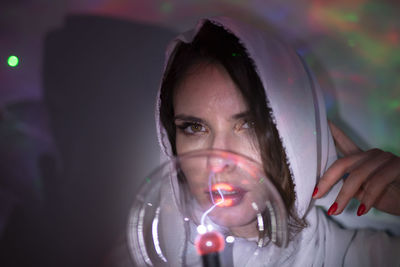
(297, 107)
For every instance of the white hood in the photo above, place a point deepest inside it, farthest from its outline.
(298, 111)
(296, 102)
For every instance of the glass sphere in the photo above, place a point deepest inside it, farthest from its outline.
(213, 195)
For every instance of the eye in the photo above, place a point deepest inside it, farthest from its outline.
(247, 124)
(192, 128)
(195, 128)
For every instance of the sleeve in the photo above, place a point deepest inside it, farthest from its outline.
(373, 248)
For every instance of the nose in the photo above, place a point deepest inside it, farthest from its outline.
(220, 162)
(217, 163)
(221, 141)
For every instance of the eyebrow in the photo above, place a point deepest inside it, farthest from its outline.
(189, 118)
(241, 115)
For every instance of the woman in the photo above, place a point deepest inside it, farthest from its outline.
(234, 87)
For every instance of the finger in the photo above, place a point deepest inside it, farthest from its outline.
(341, 167)
(389, 200)
(379, 183)
(342, 141)
(357, 177)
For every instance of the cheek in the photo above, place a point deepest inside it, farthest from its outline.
(247, 145)
(186, 144)
(182, 145)
(195, 172)
(196, 181)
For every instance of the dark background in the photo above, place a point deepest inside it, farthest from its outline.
(68, 191)
(77, 132)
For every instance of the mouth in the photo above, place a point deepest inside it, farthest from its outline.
(226, 195)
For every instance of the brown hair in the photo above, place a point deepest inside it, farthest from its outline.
(214, 45)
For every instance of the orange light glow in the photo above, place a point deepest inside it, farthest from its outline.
(222, 186)
(222, 202)
(225, 203)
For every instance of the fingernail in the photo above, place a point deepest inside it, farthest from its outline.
(315, 192)
(361, 210)
(332, 209)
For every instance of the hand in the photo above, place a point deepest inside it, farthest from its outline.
(373, 177)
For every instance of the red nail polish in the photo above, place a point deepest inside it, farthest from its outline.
(315, 192)
(332, 209)
(361, 210)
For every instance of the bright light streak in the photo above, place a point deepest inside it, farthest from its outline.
(203, 217)
(201, 229)
(230, 239)
(142, 244)
(154, 230)
(273, 222)
(260, 223)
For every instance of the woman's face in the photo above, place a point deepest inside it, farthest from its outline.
(210, 113)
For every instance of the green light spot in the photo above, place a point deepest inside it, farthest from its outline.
(314, 132)
(261, 180)
(147, 180)
(12, 61)
(351, 17)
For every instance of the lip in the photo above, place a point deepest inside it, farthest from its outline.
(232, 195)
